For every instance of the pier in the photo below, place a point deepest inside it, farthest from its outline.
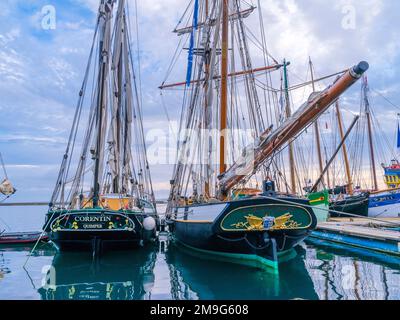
(379, 236)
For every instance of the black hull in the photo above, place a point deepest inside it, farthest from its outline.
(357, 205)
(89, 240)
(100, 239)
(253, 245)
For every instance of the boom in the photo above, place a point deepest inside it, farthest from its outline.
(316, 105)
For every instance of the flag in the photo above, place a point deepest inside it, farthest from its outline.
(398, 136)
(191, 46)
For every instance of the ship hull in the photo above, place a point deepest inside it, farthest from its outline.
(21, 238)
(221, 229)
(357, 205)
(97, 230)
(385, 205)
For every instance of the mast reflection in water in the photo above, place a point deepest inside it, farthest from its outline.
(193, 277)
(164, 271)
(115, 276)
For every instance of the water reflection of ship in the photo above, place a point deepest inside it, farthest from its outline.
(116, 276)
(194, 277)
(3, 269)
(340, 275)
(42, 249)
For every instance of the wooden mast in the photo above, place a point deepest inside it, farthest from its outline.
(370, 137)
(206, 106)
(328, 164)
(99, 110)
(316, 126)
(224, 84)
(345, 155)
(288, 115)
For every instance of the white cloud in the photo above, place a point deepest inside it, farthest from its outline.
(62, 70)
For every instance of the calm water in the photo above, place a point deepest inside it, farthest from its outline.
(163, 271)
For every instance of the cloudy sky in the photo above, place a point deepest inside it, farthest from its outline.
(41, 70)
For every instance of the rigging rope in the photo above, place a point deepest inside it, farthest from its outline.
(3, 166)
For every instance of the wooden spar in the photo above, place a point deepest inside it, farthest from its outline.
(292, 164)
(233, 16)
(342, 143)
(344, 149)
(372, 152)
(99, 114)
(3, 166)
(230, 75)
(370, 136)
(316, 127)
(224, 84)
(328, 180)
(206, 106)
(317, 104)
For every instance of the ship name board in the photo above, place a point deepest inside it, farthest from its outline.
(92, 219)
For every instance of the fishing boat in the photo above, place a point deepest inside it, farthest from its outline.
(386, 203)
(204, 211)
(106, 200)
(356, 205)
(16, 238)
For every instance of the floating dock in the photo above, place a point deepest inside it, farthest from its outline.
(380, 236)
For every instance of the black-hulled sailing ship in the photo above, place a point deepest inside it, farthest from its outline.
(215, 205)
(106, 199)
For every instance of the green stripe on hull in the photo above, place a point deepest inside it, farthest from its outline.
(251, 260)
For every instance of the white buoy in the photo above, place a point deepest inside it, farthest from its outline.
(149, 223)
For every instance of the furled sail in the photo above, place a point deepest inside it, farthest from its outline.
(114, 124)
(6, 188)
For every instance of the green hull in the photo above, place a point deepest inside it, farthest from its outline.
(251, 260)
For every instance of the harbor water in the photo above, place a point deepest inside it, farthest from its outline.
(164, 271)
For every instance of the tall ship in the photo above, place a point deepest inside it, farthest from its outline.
(235, 132)
(103, 196)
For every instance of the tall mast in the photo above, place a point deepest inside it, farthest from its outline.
(316, 126)
(224, 84)
(288, 115)
(345, 155)
(206, 106)
(106, 7)
(370, 138)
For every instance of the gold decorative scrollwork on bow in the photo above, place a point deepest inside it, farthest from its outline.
(254, 223)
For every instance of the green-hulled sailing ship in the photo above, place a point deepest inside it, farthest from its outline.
(215, 204)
